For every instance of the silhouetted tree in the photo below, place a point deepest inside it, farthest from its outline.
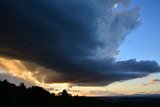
(22, 86)
(38, 91)
(64, 93)
(20, 96)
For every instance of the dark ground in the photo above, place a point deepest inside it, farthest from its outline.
(20, 96)
(135, 101)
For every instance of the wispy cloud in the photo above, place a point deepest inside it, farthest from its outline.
(152, 82)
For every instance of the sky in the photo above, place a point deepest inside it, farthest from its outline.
(145, 39)
(92, 48)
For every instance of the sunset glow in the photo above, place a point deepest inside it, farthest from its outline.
(88, 47)
(16, 70)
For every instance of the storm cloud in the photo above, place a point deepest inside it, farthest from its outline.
(78, 40)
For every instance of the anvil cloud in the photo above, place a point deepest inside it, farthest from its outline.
(77, 40)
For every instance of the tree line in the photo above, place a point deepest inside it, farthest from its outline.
(35, 96)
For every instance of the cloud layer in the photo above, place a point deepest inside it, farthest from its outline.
(77, 40)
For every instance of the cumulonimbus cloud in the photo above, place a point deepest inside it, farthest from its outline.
(76, 39)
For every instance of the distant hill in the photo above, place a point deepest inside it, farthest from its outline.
(20, 96)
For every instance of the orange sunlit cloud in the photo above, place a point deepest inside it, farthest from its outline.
(19, 71)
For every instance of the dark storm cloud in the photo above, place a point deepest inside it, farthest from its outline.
(77, 39)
